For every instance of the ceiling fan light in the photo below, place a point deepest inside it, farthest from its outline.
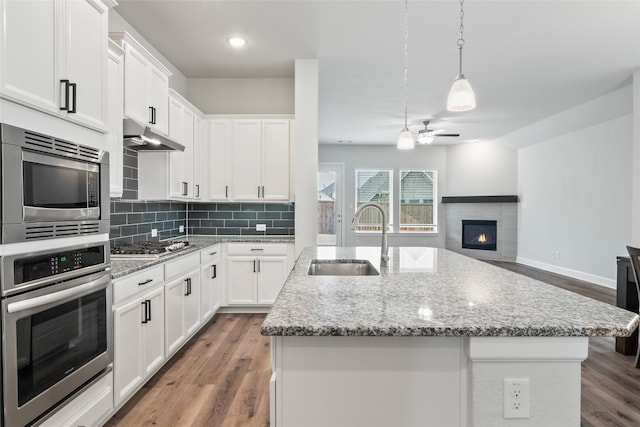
(425, 139)
(405, 140)
(461, 96)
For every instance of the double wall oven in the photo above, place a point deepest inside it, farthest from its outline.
(55, 278)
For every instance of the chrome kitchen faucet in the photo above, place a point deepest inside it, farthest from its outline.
(384, 249)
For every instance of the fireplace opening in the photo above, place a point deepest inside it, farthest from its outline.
(479, 234)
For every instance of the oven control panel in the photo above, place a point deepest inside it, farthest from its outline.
(37, 267)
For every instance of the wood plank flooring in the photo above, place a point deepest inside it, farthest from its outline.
(221, 377)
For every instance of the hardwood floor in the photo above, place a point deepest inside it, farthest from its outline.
(221, 377)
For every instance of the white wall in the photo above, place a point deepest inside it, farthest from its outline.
(306, 153)
(487, 168)
(118, 24)
(386, 157)
(575, 193)
(635, 187)
(242, 95)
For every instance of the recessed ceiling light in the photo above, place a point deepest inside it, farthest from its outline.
(237, 41)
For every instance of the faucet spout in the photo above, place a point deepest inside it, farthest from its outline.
(384, 246)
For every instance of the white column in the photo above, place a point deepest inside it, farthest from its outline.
(306, 152)
(635, 183)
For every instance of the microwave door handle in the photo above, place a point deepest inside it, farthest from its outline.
(43, 300)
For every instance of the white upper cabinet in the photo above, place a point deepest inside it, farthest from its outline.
(146, 85)
(261, 160)
(53, 57)
(174, 174)
(247, 160)
(220, 143)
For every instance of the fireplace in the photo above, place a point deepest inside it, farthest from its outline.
(479, 234)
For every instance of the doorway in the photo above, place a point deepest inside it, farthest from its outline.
(330, 194)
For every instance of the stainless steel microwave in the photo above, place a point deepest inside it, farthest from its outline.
(51, 187)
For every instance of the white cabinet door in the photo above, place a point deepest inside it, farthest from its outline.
(210, 282)
(247, 160)
(198, 188)
(220, 143)
(153, 332)
(176, 130)
(272, 273)
(128, 348)
(181, 122)
(28, 53)
(241, 280)
(115, 87)
(174, 315)
(136, 67)
(192, 302)
(85, 40)
(158, 97)
(187, 155)
(275, 159)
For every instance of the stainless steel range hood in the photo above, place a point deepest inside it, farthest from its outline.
(139, 137)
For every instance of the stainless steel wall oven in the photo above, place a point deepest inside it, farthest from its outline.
(56, 325)
(51, 187)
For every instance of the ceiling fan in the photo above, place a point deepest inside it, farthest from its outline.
(426, 135)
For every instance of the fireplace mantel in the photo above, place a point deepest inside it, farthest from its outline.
(480, 199)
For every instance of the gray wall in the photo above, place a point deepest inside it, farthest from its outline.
(575, 192)
(242, 95)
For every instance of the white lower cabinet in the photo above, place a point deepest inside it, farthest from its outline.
(255, 272)
(139, 341)
(210, 279)
(182, 309)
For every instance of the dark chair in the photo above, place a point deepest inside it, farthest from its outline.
(634, 254)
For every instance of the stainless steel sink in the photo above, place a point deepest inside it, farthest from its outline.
(345, 267)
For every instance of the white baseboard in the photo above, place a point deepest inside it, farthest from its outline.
(592, 278)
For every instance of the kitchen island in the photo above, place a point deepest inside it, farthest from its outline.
(431, 340)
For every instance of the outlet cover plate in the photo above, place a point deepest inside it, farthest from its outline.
(516, 398)
(261, 227)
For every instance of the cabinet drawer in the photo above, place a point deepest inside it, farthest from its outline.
(136, 283)
(210, 254)
(256, 249)
(181, 266)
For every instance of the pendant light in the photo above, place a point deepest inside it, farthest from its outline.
(405, 140)
(461, 96)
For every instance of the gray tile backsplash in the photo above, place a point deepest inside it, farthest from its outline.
(224, 219)
(132, 220)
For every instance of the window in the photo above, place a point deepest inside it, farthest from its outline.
(417, 193)
(415, 205)
(374, 186)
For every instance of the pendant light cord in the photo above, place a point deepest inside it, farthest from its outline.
(406, 60)
(461, 37)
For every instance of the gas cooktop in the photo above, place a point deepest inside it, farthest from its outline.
(148, 249)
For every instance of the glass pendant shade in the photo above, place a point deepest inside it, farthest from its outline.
(461, 96)
(425, 139)
(406, 141)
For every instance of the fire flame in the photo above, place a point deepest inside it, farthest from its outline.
(482, 238)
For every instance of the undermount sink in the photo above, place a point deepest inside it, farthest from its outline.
(344, 267)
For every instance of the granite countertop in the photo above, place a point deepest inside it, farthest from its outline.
(433, 292)
(122, 266)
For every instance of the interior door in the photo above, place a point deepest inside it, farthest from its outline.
(330, 195)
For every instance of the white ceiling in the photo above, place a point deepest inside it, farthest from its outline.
(526, 60)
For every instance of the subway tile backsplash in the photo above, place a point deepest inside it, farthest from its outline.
(132, 220)
(224, 219)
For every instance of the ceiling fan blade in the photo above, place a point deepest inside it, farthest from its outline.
(447, 134)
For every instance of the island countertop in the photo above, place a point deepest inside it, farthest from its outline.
(433, 292)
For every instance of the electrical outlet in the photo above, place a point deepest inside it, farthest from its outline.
(261, 227)
(181, 228)
(516, 398)
(154, 232)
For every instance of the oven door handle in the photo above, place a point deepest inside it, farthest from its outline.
(43, 300)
